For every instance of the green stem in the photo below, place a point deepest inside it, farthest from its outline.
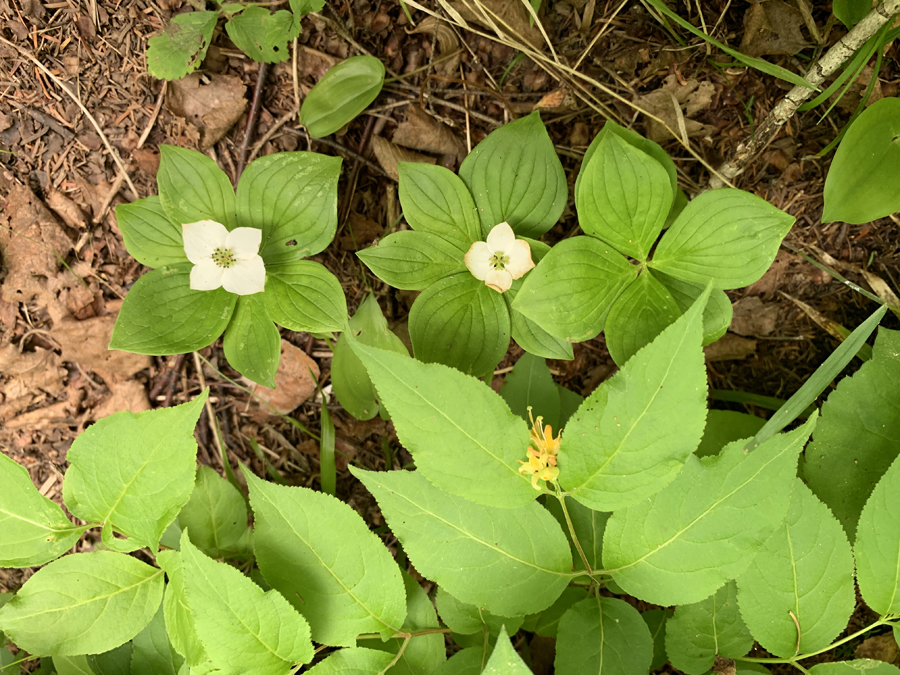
(397, 657)
(562, 502)
(404, 634)
(881, 622)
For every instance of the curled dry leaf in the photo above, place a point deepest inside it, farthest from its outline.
(730, 348)
(446, 40)
(28, 372)
(753, 318)
(420, 131)
(293, 381)
(772, 27)
(212, 107)
(675, 103)
(65, 208)
(389, 154)
(501, 16)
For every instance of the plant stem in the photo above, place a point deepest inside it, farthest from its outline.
(562, 502)
(397, 657)
(404, 634)
(881, 622)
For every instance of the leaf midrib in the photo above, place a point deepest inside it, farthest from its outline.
(73, 528)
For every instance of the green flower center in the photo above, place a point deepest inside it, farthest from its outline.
(499, 260)
(224, 257)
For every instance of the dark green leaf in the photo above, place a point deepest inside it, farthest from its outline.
(153, 653)
(851, 12)
(530, 385)
(215, 515)
(726, 426)
(412, 260)
(192, 188)
(304, 296)
(343, 93)
(435, 200)
(252, 342)
(150, 237)
(263, 35)
(718, 313)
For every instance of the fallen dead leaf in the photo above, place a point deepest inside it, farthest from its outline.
(446, 40)
(675, 103)
(129, 395)
(30, 371)
(54, 414)
(730, 348)
(389, 154)
(557, 100)
(501, 16)
(753, 317)
(293, 382)
(213, 107)
(772, 28)
(313, 63)
(66, 209)
(881, 648)
(420, 131)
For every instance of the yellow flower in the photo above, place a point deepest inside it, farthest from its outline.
(541, 463)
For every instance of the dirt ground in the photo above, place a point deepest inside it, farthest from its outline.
(81, 121)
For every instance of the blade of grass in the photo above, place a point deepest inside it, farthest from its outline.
(833, 328)
(327, 468)
(746, 398)
(274, 473)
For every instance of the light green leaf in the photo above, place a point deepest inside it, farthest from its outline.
(546, 623)
(862, 414)
(252, 342)
(571, 290)
(413, 260)
(468, 661)
(504, 659)
(855, 667)
(319, 553)
(461, 434)
(718, 313)
(113, 662)
(181, 47)
(603, 635)
(303, 296)
(726, 426)
(72, 665)
(569, 402)
(162, 315)
(850, 13)
(656, 621)
(343, 93)
(437, 201)
(244, 630)
(35, 529)
(588, 525)
(349, 377)
(179, 621)
(631, 437)
(701, 631)
(353, 661)
(685, 542)
(263, 35)
(727, 236)
(534, 339)
(215, 515)
(530, 385)
(510, 561)
(193, 188)
(516, 177)
(292, 198)
(134, 472)
(461, 323)
(150, 237)
(466, 619)
(863, 183)
(641, 313)
(84, 603)
(803, 575)
(877, 553)
(153, 653)
(623, 196)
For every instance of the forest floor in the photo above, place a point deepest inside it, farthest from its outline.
(75, 95)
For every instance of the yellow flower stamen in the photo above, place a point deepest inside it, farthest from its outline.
(541, 463)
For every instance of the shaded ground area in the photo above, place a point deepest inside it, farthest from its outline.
(81, 122)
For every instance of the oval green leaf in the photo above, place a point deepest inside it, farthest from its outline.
(252, 342)
(343, 93)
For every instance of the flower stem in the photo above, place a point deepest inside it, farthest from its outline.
(562, 502)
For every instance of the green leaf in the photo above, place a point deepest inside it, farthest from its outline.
(263, 35)
(349, 376)
(193, 188)
(863, 183)
(437, 201)
(510, 561)
(413, 260)
(515, 176)
(303, 296)
(571, 290)
(215, 515)
(623, 196)
(84, 603)
(179, 621)
(319, 553)
(153, 653)
(877, 553)
(150, 237)
(304, 7)
(181, 47)
(461, 434)
(252, 342)
(113, 662)
(726, 426)
(353, 661)
(727, 236)
(534, 339)
(530, 385)
(855, 667)
(133, 472)
(35, 529)
(641, 313)
(468, 661)
(656, 621)
(504, 659)
(424, 653)
(802, 576)
(546, 623)
(631, 437)
(588, 525)
(461, 323)
(850, 13)
(72, 665)
(292, 198)
(467, 619)
(162, 315)
(569, 402)
(718, 313)
(243, 629)
(685, 542)
(701, 631)
(343, 93)
(603, 635)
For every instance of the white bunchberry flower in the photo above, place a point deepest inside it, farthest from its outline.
(222, 258)
(501, 259)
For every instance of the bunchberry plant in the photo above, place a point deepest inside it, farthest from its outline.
(343, 93)
(231, 261)
(619, 278)
(473, 238)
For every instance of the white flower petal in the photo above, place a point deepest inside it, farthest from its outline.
(206, 275)
(498, 280)
(202, 238)
(244, 241)
(478, 260)
(519, 259)
(501, 238)
(246, 277)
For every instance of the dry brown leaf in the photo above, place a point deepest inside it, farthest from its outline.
(495, 14)
(675, 103)
(293, 382)
(447, 41)
(313, 63)
(753, 317)
(30, 371)
(730, 348)
(85, 343)
(388, 155)
(881, 648)
(53, 415)
(129, 395)
(213, 108)
(772, 27)
(420, 131)
(66, 209)
(556, 101)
